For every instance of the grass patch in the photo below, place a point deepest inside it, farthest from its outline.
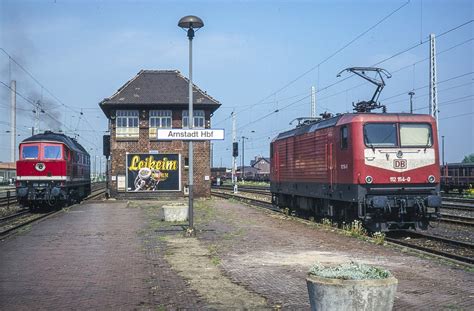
(213, 255)
(355, 229)
(24, 229)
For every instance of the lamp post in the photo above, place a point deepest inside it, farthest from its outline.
(190, 23)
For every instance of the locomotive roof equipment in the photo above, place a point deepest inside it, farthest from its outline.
(368, 106)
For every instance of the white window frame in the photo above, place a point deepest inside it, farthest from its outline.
(161, 119)
(199, 119)
(127, 124)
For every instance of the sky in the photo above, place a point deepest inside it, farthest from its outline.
(259, 59)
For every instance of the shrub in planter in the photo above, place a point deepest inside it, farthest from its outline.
(350, 286)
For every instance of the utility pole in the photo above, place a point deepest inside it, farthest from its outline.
(37, 111)
(13, 121)
(100, 167)
(411, 101)
(212, 155)
(442, 137)
(433, 80)
(243, 157)
(313, 102)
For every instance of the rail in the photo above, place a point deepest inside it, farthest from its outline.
(450, 249)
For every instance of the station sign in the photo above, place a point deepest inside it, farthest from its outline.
(190, 134)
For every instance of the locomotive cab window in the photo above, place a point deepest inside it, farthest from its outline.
(380, 134)
(29, 152)
(415, 135)
(344, 137)
(52, 152)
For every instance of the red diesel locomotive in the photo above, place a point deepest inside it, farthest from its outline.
(380, 168)
(53, 170)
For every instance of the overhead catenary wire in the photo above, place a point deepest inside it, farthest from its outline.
(378, 63)
(12, 59)
(46, 112)
(325, 59)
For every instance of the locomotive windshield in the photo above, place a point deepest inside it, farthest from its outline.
(52, 152)
(415, 134)
(380, 134)
(386, 135)
(29, 152)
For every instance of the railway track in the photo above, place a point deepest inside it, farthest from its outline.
(8, 197)
(12, 223)
(443, 247)
(448, 248)
(457, 220)
(446, 218)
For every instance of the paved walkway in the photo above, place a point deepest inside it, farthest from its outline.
(88, 258)
(108, 256)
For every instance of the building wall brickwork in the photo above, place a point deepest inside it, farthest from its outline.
(120, 147)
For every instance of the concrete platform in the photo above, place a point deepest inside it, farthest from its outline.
(111, 256)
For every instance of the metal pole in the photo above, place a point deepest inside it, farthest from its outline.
(313, 102)
(234, 159)
(190, 126)
(433, 80)
(442, 149)
(212, 156)
(13, 121)
(37, 121)
(242, 170)
(411, 101)
(100, 167)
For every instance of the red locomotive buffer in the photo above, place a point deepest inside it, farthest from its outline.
(382, 169)
(53, 170)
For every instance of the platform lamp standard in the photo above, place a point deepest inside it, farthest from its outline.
(190, 23)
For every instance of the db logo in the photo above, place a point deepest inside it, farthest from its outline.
(400, 164)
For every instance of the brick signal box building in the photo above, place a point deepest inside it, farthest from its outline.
(139, 165)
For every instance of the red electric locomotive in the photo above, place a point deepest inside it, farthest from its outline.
(53, 170)
(380, 168)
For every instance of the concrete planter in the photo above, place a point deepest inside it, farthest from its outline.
(175, 212)
(345, 295)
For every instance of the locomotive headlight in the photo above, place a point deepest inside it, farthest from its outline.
(431, 179)
(369, 179)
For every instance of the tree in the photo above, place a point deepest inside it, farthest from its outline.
(468, 159)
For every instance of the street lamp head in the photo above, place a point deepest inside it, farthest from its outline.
(190, 23)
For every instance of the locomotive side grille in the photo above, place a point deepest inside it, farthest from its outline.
(401, 190)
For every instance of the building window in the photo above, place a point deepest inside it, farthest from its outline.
(159, 119)
(127, 124)
(198, 118)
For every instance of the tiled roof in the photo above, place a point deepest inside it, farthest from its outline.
(158, 87)
(253, 162)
